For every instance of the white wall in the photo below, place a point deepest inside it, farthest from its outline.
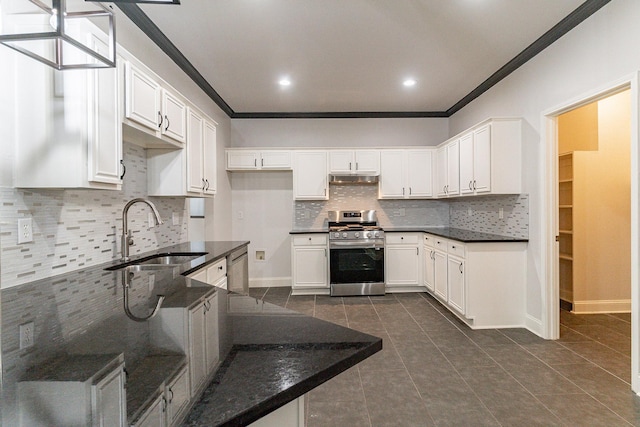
(601, 50)
(338, 132)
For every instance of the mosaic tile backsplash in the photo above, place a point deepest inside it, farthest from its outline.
(425, 213)
(77, 228)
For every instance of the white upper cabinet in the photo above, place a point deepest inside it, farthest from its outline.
(489, 160)
(152, 109)
(354, 162)
(190, 172)
(238, 160)
(475, 161)
(310, 175)
(448, 169)
(406, 174)
(68, 132)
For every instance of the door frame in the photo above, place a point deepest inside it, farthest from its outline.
(549, 213)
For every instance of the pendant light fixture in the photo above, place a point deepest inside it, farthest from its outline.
(46, 30)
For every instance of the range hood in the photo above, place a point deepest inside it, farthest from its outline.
(338, 179)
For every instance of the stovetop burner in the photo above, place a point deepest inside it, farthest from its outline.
(354, 225)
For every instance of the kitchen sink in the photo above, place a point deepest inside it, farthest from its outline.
(171, 259)
(158, 261)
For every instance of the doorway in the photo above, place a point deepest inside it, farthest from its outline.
(550, 216)
(594, 211)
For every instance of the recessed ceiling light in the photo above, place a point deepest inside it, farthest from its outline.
(409, 82)
(284, 82)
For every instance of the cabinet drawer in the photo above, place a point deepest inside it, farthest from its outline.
(401, 239)
(217, 271)
(456, 248)
(440, 244)
(307, 240)
(428, 240)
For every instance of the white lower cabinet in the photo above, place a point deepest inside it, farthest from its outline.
(155, 415)
(403, 262)
(98, 401)
(310, 263)
(456, 284)
(289, 415)
(192, 331)
(428, 267)
(482, 283)
(177, 395)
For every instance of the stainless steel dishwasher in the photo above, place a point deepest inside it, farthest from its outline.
(238, 271)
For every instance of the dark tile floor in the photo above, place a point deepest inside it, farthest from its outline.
(435, 371)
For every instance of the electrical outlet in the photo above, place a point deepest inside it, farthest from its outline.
(26, 335)
(240, 215)
(469, 212)
(501, 213)
(401, 212)
(175, 218)
(25, 230)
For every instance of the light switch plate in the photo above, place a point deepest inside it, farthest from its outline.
(25, 230)
(26, 335)
(175, 218)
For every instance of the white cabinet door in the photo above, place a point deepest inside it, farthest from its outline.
(419, 173)
(155, 416)
(275, 159)
(240, 159)
(177, 395)
(441, 171)
(402, 265)
(195, 180)
(440, 274)
(310, 266)
(143, 98)
(174, 117)
(429, 268)
(109, 401)
(456, 285)
(197, 347)
(466, 164)
(453, 168)
(212, 353)
(105, 132)
(310, 175)
(367, 162)
(392, 174)
(209, 158)
(482, 159)
(341, 161)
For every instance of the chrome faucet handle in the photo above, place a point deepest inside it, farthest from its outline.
(130, 241)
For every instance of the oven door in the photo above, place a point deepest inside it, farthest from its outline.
(352, 264)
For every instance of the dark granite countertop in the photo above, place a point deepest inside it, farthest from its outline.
(459, 234)
(309, 230)
(268, 356)
(274, 356)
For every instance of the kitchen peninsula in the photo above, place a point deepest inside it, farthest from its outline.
(266, 357)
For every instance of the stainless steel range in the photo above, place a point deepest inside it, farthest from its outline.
(356, 253)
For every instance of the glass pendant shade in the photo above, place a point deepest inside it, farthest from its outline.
(57, 32)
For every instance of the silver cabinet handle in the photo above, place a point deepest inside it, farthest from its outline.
(124, 169)
(204, 184)
(474, 184)
(262, 162)
(160, 116)
(409, 190)
(460, 268)
(470, 185)
(325, 252)
(171, 395)
(403, 191)
(417, 251)
(164, 404)
(255, 163)
(349, 165)
(356, 165)
(166, 128)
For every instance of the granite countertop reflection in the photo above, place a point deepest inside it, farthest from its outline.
(268, 355)
(459, 234)
(272, 356)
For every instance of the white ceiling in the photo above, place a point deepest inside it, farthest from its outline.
(352, 55)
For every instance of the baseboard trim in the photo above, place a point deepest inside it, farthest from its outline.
(534, 325)
(270, 282)
(602, 306)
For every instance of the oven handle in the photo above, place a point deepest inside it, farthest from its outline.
(355, 245)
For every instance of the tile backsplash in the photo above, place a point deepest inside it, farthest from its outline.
(428, 213)
(77, 228)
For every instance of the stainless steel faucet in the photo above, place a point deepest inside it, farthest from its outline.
(127, 237)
